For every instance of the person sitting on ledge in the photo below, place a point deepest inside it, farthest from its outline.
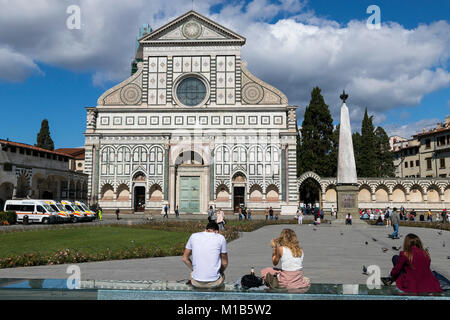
(411, 272)
(209, 257)
(379, 222)
(348, 219)
(286, 250)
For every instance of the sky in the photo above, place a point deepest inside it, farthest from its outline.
(399, 72)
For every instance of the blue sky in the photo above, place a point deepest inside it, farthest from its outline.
(59, 81)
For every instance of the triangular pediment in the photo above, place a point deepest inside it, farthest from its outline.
(192, 27)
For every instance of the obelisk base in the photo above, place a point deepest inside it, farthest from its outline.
(347, 200)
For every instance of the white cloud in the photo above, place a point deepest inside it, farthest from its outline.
(410, 129)
(16, 67)
(380, 69)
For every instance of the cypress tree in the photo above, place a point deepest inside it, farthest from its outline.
(44, 140)
(356, 138)
(316, 137)
(368, 148)
(385, 157)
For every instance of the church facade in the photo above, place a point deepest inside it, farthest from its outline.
(192, 127)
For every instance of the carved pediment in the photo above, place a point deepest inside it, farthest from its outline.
(192, 28)
(128, 92)
(256, 91)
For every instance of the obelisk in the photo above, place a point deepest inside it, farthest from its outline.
(347, 184)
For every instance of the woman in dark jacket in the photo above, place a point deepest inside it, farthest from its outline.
(411, 272)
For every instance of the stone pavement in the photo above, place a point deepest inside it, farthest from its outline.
(333, 254)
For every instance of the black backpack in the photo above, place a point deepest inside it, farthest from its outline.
(251, 281)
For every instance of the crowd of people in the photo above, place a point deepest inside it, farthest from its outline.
(381, 215)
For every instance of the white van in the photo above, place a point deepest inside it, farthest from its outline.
(35, 210)
(84, 207)
(63, 214)
(78, 213)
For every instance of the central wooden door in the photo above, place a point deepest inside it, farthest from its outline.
(189, 194)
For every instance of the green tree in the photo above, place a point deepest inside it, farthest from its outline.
(43, 138)
(356, 138)
(368, 154)
(316, 139)
(385, 157)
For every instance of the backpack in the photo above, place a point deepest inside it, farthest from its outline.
(251, 281)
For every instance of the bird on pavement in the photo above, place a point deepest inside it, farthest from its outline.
(364, 269)
(443, 243)
(366, 243)
(385, 249)
(342, 233)
(396, 248)
(315, 229)
(440, 232)
(374, 239)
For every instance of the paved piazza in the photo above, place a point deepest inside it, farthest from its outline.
(329, 256)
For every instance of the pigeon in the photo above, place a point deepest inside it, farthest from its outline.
(374, 239)
(366, 243)
(342, 233)
(385, 249)
(396, 248)
(443, 243)
(440, 232)
(315, 229)
(364, 270)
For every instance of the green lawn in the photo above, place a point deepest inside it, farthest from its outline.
(88, 239)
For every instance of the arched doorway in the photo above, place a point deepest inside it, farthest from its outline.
(239, 186)
(310, 192)
(190, 175)
(139, 180)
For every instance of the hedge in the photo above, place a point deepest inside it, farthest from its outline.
(7, 218)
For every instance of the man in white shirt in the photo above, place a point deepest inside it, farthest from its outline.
(209, 257)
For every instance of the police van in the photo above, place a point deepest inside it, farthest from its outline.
(32, 210)
(78, 213)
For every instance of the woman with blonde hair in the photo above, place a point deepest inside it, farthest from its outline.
(287, 251)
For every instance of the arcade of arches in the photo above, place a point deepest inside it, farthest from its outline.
(412, 193)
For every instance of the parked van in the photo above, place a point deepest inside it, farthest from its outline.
(33, 210)
(84, 207)
(64, 215)
(78, 213)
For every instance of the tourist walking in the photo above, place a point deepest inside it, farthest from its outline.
(429, 216)
(220, 219)
(287, 252)
(411, 271)
(444, 216)
(166, 211)
(210, 214)
(395, 221)
(300, 216)
(271, 213)
(100, 214)
(206, 256)
(267, 213)
(177, 213)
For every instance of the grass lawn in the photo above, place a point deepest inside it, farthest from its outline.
(89, 240)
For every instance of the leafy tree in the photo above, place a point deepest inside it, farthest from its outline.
(368, 155)
(43, 138)
(316, 139)
(385, 157)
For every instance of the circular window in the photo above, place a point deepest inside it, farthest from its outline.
(191, 91)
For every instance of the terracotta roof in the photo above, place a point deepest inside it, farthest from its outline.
(430, 132)
(77, 153)
(27, 146)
